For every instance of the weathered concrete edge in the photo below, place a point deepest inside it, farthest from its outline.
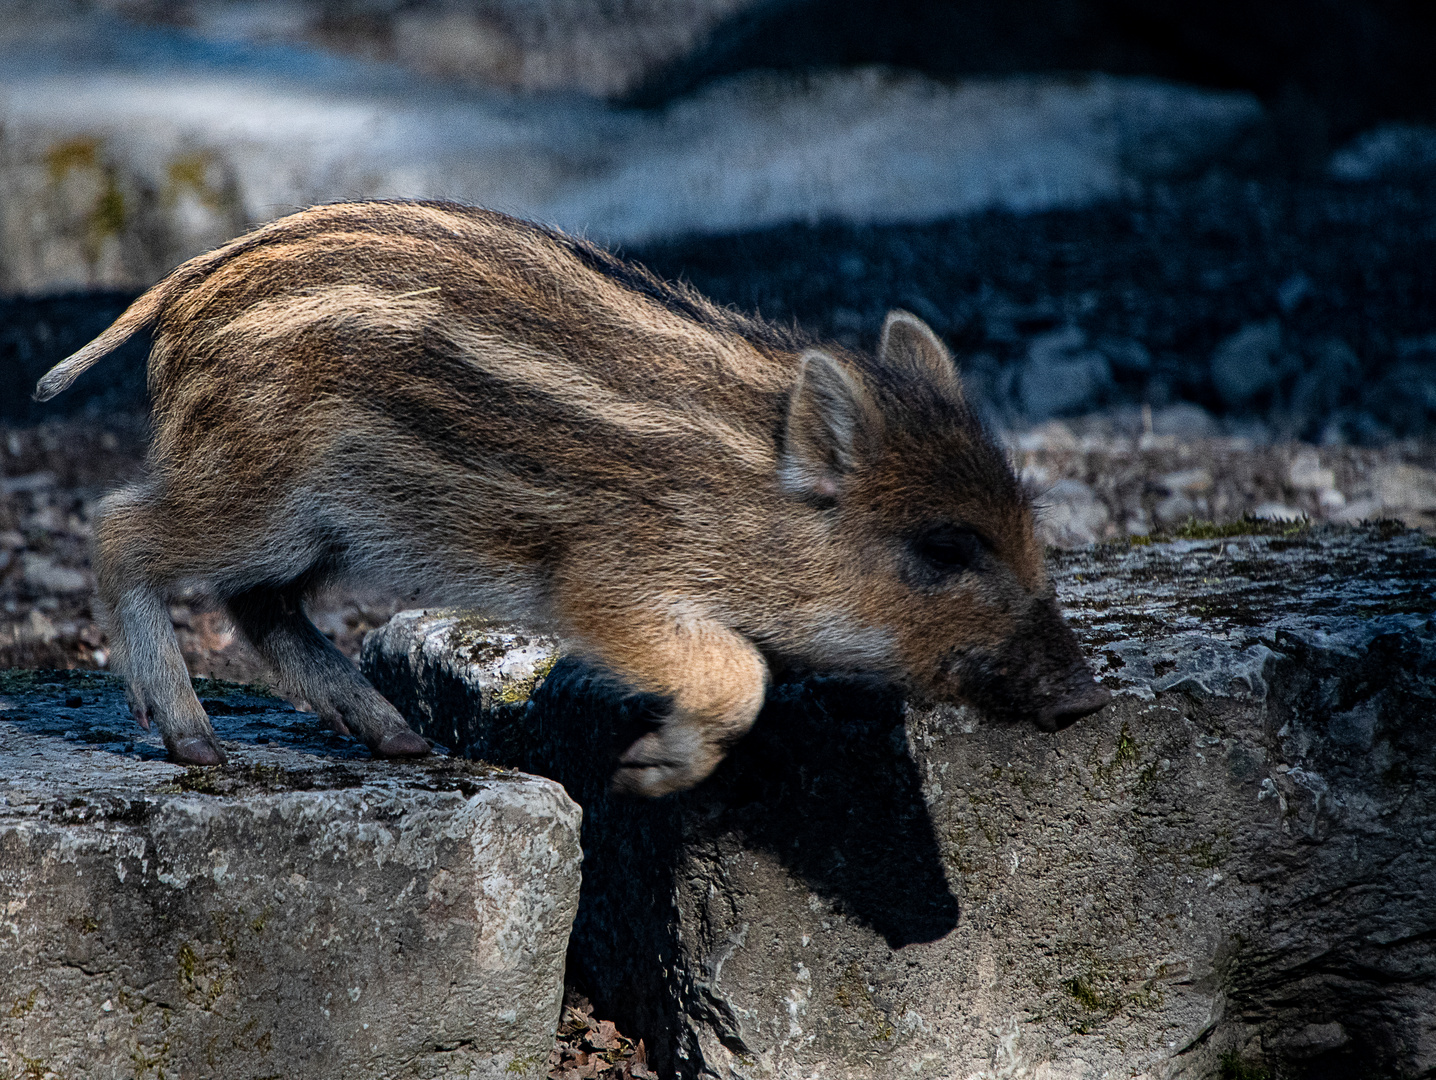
(134, 819)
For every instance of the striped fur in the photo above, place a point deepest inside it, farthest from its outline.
(485, 412)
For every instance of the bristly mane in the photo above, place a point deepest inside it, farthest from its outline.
(681, 298)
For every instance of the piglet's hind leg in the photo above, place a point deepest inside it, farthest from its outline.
(309, 666)
(142, 639)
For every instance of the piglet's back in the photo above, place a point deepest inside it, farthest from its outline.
(466, 316)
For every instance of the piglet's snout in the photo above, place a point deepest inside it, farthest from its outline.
(1057, 677)
(1081, 702)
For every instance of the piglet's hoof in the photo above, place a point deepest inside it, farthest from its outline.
(663, 762)
(402, 744)
(648, 781)
(197, 750)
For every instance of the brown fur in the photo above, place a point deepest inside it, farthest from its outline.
(492, 414)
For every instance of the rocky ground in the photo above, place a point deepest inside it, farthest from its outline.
(1217, 876)
(1198, 334)
(1286, 308)
(52, 477)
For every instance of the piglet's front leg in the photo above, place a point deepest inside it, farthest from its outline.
(714, 680)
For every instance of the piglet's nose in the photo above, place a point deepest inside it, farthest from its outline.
(1077, 704)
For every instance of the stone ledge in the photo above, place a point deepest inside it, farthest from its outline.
(1231, 862)
(305, 913)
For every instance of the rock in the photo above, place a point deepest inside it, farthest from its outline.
(1233, 862)
(1306, 472)
(1358, 510)
(43, 577)
(1385, 151)
(1054, 435)
(1333, 379)
(30, 482)
(1183, 422)
(303, 912)
(37, 627)
(1407, 492)
(1403, 397)
(1061, 376)
(1331, 502)
(461, 661)
(1070, 515)
(1186, 481)
(1244, 364)
(1185, 496)
(1126, 355)
(603, 47)
(1292, 291)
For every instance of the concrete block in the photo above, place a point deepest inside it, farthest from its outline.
(1232, 863)
(307, 913)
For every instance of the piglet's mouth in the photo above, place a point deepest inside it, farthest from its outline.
(1005, 690)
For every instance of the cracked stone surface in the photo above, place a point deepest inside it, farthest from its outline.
(306, 911)
(1231, 865)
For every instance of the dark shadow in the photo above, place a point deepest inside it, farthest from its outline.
(89, 707)
(37, 332)
(824, 782)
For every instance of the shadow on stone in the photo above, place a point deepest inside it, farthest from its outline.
(824, 783)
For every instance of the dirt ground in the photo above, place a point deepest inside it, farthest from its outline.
(51, 478)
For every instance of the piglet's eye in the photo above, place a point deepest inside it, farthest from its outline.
(948, 548)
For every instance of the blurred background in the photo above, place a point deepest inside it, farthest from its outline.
(1183, 252)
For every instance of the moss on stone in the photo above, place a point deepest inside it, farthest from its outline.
(190, 173)
(222, 688)
(187, 963)
(24, 1005)
(1198, 529)
(852, 995)
(108, 217)
(516, 691)
(64, 157)
(1081, 991)
(1126, 747)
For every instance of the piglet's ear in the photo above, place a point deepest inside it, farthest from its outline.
(908, 345)
(830, 420)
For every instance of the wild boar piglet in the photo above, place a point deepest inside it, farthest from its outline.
(489, 413)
